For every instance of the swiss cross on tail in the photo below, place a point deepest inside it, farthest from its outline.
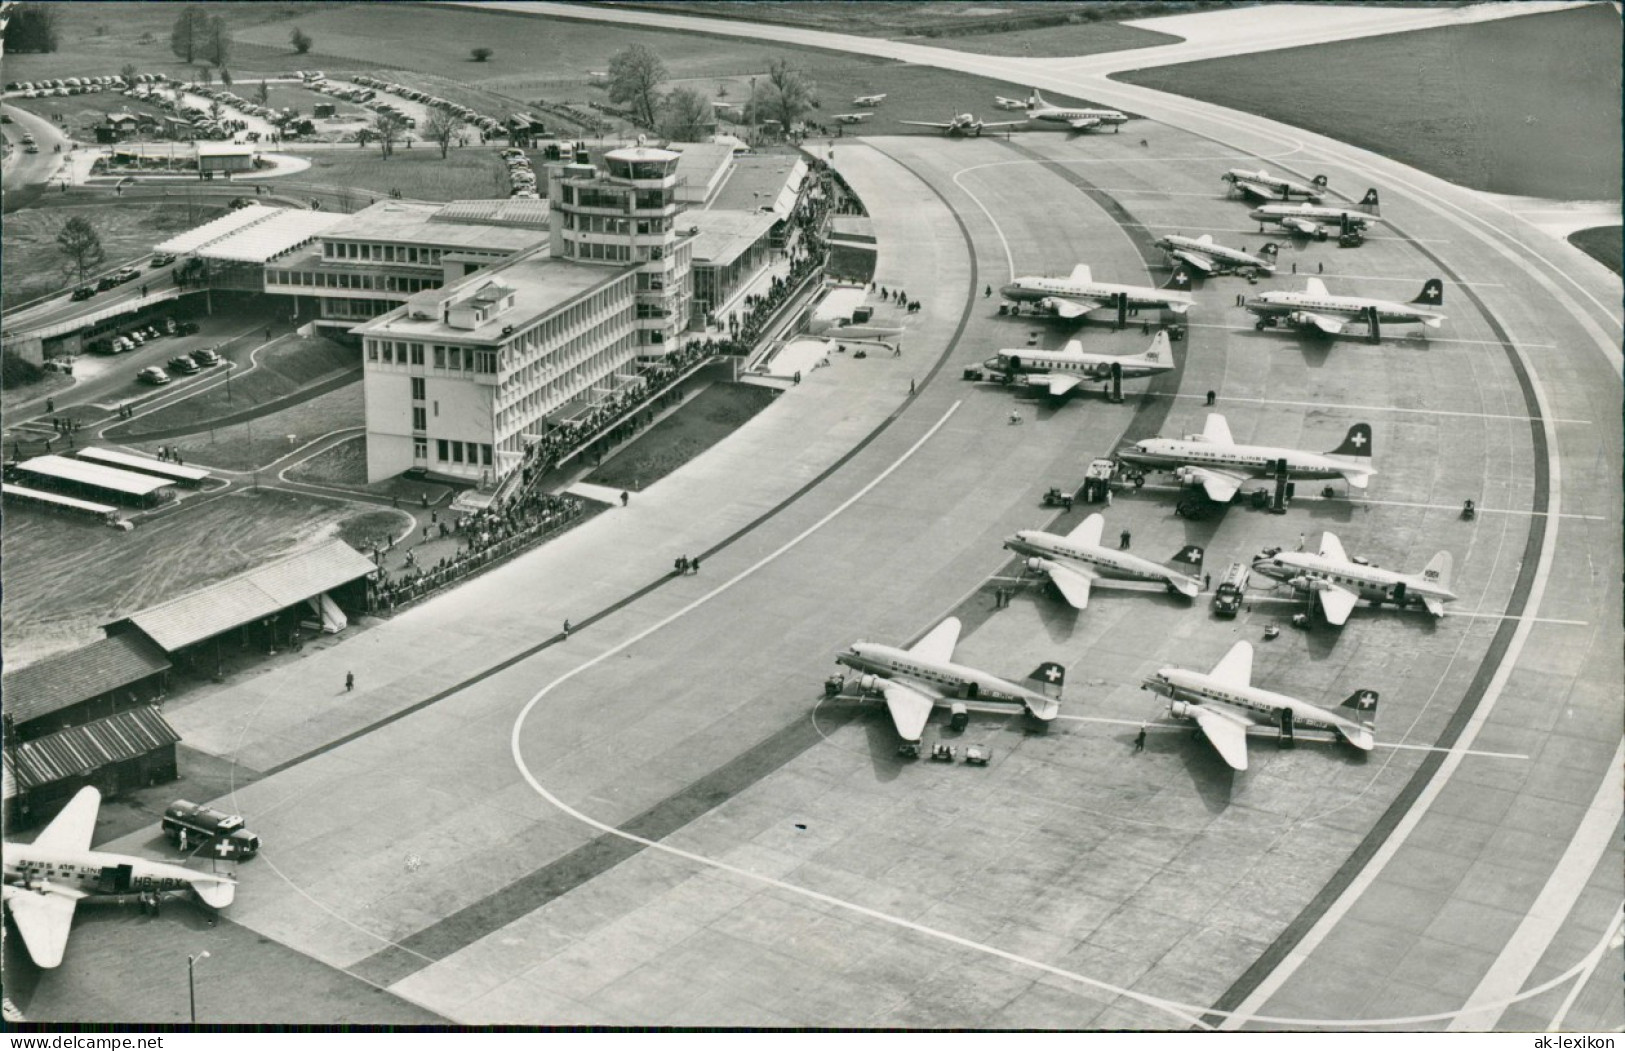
(1432, 293)
(1356, 443)
(1190, 554)
(1050, 676)
(1370, 198)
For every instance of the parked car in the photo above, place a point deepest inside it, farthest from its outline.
(59, 365)
(206, 357)
(186, 328)
(154, 375)
(82, 292)
(183, 365)
(162, 259)
(135, 337)
(122, 345)
(128, 273)
(169, 326)
(107, 282)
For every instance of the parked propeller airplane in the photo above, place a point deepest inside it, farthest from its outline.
(1215, 461)
(868, 100)
(1340, 583)
(46, 879)
(1060, 371)
(1079, 293)
(964, 124)
(1078, 560)
(1226, 706)
(1204, 256)
(1078, 118)
(1316, 220)
(1264, 186)
(924, 676)
(1318, 309)
(853, 118)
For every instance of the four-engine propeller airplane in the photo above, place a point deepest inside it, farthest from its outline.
(1317, 309)
(924, 676)
(1206, 257)
(1078, 118)
(1317, 220)
(1079, 293)
(1226, 705)
(1340, 583)
(1264, 186)
(1214, 460)
(1060, 371)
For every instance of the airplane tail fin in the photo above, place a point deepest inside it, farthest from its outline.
(1432, 293)
(1438, 570)
(216, 895)
(1036, 99)
(1356, 443)
(1320, 181)
(1051, 678)
(1159, 353)
(1270, 250)
(1187, 561)
(1364, 705)
(1370, 202)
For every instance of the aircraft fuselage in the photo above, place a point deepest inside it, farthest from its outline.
(1302, 569)
(97, 873)
(1273, 304)
(1260, 707)
(1256, 460)
(1097, 293)
(1107, 561)
(1220, 254)
(1095, 366)
(946, 677)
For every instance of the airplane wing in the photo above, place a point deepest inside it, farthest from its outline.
(43, 918)
(1227, 735)
(939, 124)
(1329, 325)
(1217, 430)
(909, 709)
(1331, 547)
(1083, 123)
(72, 828)
(1195, 260)
(1069, 308)
(1255, 191)
(1002, 124)
(1236, 667)
(1088, 532)
(1337, 603)
(1059, 383)
(1073, 582)
(1220, 486)
(1435, 606)
(1302, 225)
(939, 642)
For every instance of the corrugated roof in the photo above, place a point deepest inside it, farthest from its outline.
(142, 464)
(25, 493)
(250, 596)
(400, 221)
(84, 472)
(81, 749)
(500, 211)
(724, 236)
(763, 181)
(215, 229)
(67, 679)
(266, 240)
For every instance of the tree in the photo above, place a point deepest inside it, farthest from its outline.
(216, 42)
(787, 95)
(32, 27)
(387, 128)
(480, 54)
(686, 116)
(129, 73)
(300, 40)
(443, 128)
(225, 77)
(635, 76)
(187, 36)
(83, 248)
(205, 75)
(363, 135)
(262, 92)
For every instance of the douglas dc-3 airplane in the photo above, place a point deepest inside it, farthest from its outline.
(1316, 220)
(965, 124)
(1315, 308)
(1078, 118)
(1339, 582)
(1226, 705)
(1079, 293)
(1207, 258)
(1264, 186)
(46, 879)
(923, 677)
(868, 100)
(1214, 461)
(1076, 561)
(853, 118)
(1060, 371)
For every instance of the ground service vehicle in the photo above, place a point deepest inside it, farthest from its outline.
(1227, 597)
(191, 826)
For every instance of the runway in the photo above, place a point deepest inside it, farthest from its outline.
(657, 821)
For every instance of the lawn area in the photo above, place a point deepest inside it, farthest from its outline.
(419, 173)
(1527, 106)
(437, 40)
(101, 38)
(1602, 243)
(283, 95)
(280, 370)
(65, 577)
(82, 113)
(34, 265)
(1070, 40)
(251, 446)
(704, 420)
(344, 465)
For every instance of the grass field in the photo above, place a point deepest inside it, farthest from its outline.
(437, 40)
(1527, 106)
(83, 112)
(65, 577)
(128, 230)
(706, 419)
(251, 446)
(283, 95)
(1085, 38)
(344, 464)
(418, 172)
(1602, 243)
(293, 362)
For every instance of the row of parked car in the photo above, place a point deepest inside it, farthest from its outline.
(42, 89)
(181, 365)
(488, 125)
(521, 176)
(125, 342)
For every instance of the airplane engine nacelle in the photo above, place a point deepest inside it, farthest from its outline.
(1189, 475)
(1179, 709)
(869, 683)
(1037, 565)
(1299, 319)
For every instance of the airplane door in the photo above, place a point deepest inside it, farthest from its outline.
(1286, 727)
(972, 691)
(114, 879)
(1396, 594)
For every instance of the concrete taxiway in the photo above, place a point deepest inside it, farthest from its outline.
(660, 821)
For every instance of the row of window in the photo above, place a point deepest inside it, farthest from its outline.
(328, 279)
(526, 412)
(382, 253)
(475, 454)
(610, 224)
(351, 309)
(447, 358)
(623, 200)
(569, 353)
